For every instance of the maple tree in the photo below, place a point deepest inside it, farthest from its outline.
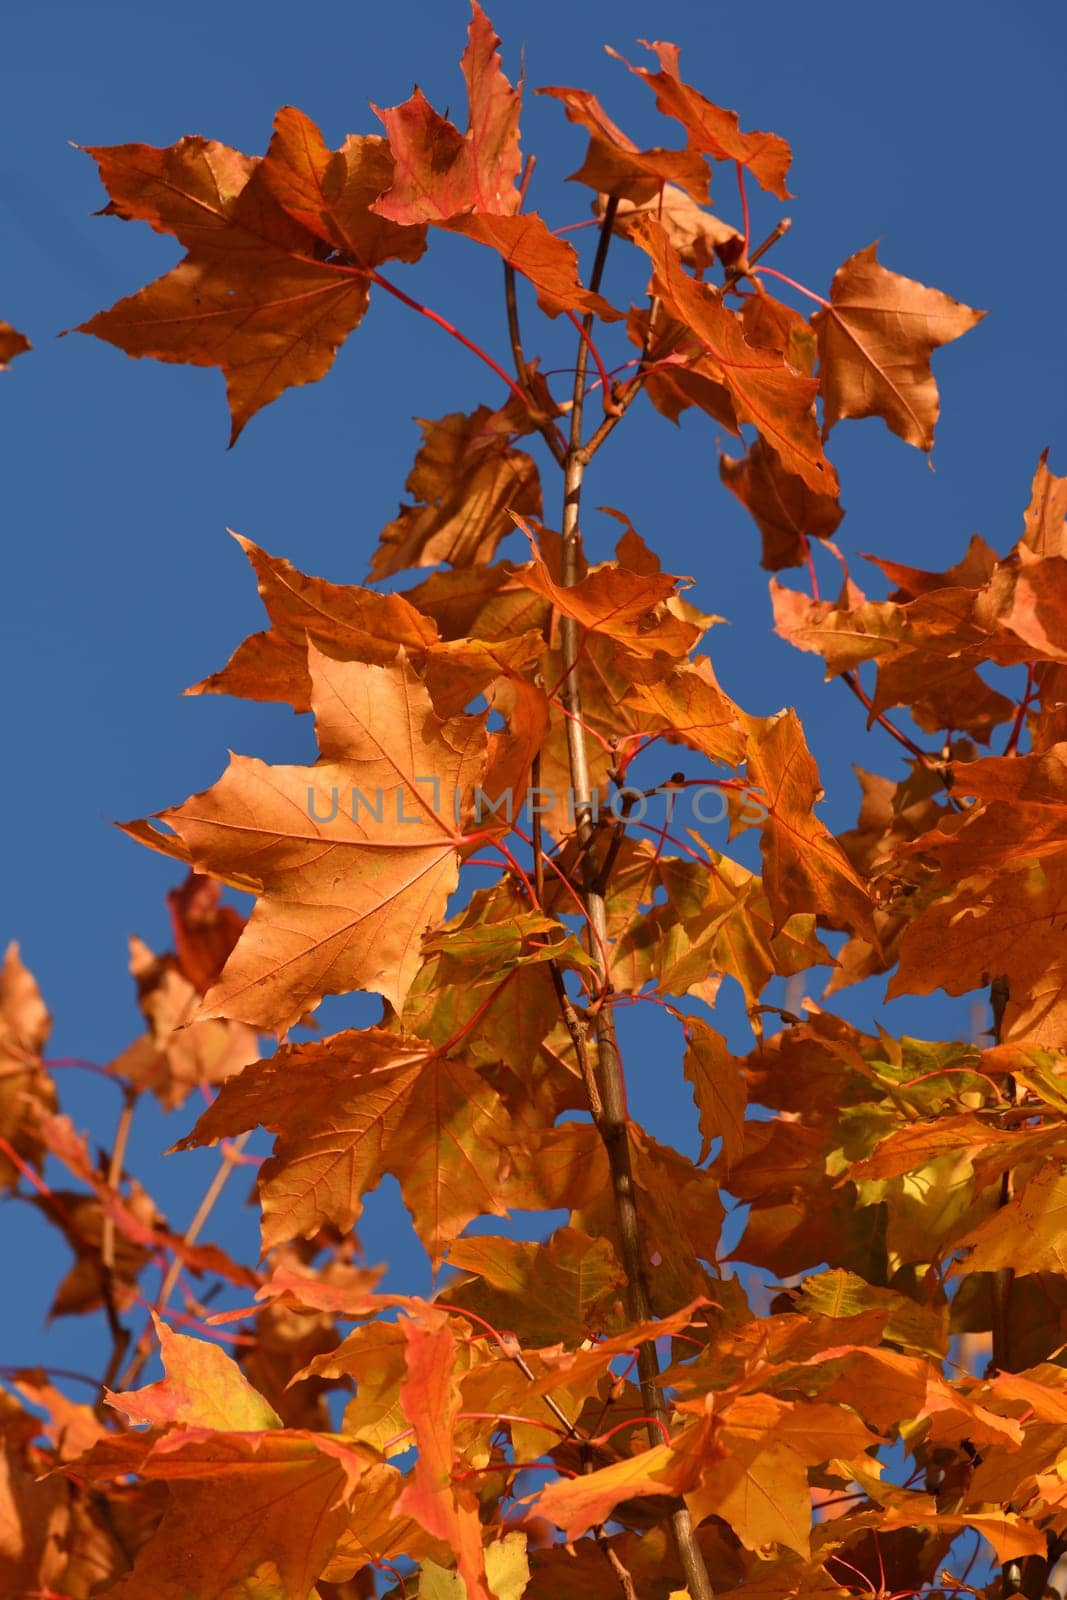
(609, 1411)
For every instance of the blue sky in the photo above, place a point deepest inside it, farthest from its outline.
(935, 128)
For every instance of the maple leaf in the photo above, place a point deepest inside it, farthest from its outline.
(708, 127)
(547, 261)
(499, 1018)
(341, 620)
(440, 172)
(785, 510)
(140, 1231)
(719, 1090)
(34, 1514)
(1026, 1235)
(681, 373)
(717, 922)
(466, 479)
(484, 602)
(630, 607)
(764, 388)
(692, 710)
(615, 166)
(697, 235)
(1010, 1535)
(258, 293)
(1045, 521)
(179, 1052)
(929, 643)
(804, 867)
(876, 338)
(205, 931)
(343, 902)
(431, 1402)
(289, 1497)
(355, 1106)
(840, 1294)
(26, 1091)
(682, 1210)
(467, 183)
(355, 624)
(12, 343)
(203, 1388)
(990, 924)
(759, 1484)
(577, 1504)
(565, 1289)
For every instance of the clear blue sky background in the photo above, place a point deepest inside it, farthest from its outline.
(936, 128)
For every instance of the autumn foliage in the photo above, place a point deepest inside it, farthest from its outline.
(608, 1412)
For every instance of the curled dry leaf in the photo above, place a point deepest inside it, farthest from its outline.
(26, 1090)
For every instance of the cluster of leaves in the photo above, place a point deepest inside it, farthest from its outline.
(607, 1412)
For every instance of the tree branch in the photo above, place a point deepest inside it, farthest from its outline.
(612, 1124)
(548, 430)
(231, 1158)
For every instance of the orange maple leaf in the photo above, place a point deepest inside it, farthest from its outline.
(280, 259)
(352, 859)
(764, 388)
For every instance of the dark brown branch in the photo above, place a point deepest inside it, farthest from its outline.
(577, 1026)
(120, 1334)
(547, 430)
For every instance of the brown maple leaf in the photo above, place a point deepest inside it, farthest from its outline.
(205, 931)
(288, 1499)
(431, 1401)
(765, 390)
(615, 166)
(876, 338)
(696, 234)
(1045, 521)
(440, 172)
(466, 479)
(708, 127)
(468, 182)
(804, 867)
(281, 253)
(180, 1052)
(787, 512)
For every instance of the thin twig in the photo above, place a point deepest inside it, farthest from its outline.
(741, 269)
(772, 272)
(450, 328)
(120, 1334)
(230, 1159)
(746, 229)
(610, 406)
(548, 430)
(930, 762)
